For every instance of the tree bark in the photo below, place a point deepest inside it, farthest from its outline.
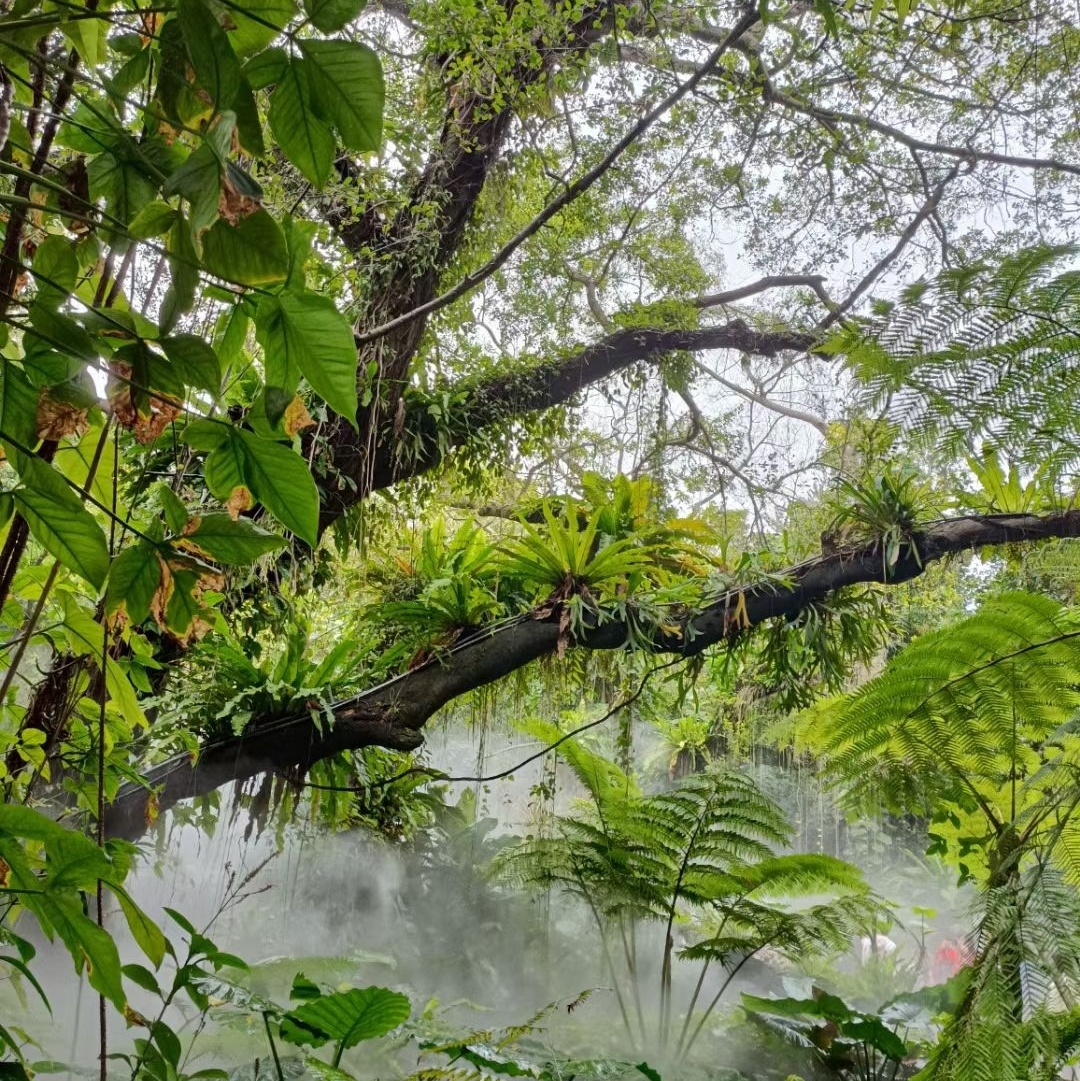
(408, 256)
(507, 396)
(394, 713)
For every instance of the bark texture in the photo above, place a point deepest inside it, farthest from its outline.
(393, 714)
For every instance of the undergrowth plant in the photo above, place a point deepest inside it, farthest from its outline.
(701, 859)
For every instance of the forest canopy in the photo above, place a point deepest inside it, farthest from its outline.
(366, 363)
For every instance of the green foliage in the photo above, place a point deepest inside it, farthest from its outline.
(199, 196)
(968, 718)
(1002, 492)
(886, 509)
(846, 1041)
(984, 350)
(344, 1018)
(569, 557)
(234, 681)
(520, 1050)
(701, 854)
(159, 1056)
(50, 872)
(451, 584)
(973, 727)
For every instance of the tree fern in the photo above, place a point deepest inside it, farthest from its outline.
(973, 727)
(962, 716)
(987, 350)
(703, 856)
(1019, 1017)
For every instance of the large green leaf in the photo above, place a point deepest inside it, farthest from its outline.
(195, 361)
(347, 90)
(305, 140)
(75, 461)
(56, 270)
(59, 331)
(198, 179)
(88, 37)
(248, 124)
(212, 57)
(84, 635)
(153, 220)
(133, 580)
(184, 269)
(58, 521)
(29, 824)
(265, 69)
(87, 943)
(257, 23)
(329, 16)
(18, 405)
(145, 931)
(253, 252)
(234, 543)
(825, 1006)
(304, 332)
(871, 1031)
(348, 1017)
(274, 474)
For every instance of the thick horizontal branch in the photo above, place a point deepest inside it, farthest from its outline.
(508, 395)
(393, 714)
(560, 380)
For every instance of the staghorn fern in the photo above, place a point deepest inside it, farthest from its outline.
(986, 350)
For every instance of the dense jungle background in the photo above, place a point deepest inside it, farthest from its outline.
(538, 539)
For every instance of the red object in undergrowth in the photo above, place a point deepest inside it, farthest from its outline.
(948, 959)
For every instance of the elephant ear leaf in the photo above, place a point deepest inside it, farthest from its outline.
(346, 1017)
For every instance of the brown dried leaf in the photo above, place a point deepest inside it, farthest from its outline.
(233, 206)
(133, 1017)
(162, 410)
(57, 419)
(296, 416)
(160, 601)
(162, 414)
(240, 499)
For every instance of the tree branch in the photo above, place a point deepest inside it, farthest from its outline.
(772, 281)
(393, 714)
(836, 117)
(518, 393)
(768, 403)
(571, 192)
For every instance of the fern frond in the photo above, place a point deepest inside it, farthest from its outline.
(962, 712)
(990, 351)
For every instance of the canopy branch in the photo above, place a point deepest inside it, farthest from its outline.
(508, 395)
(394, 713)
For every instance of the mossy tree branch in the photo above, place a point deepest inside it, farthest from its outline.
(393, 714)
